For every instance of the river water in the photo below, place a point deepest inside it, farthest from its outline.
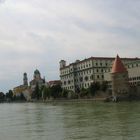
(70, 121)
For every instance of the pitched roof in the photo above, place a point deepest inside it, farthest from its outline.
(118, 66)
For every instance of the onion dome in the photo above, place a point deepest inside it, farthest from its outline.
(36, 72)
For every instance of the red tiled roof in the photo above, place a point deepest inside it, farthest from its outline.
(55, 81)
(118, 66)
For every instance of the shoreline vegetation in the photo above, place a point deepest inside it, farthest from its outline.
(56, 100)
(96, 92)
(102, 99)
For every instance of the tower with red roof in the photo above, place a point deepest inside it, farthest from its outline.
(119, 74)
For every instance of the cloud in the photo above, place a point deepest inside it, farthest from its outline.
(38, 34)
(2, 1)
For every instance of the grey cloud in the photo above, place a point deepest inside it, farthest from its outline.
(37, 34)
(2, 1)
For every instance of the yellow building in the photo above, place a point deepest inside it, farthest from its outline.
(18, 90)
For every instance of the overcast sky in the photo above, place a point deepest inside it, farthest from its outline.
(37, 34)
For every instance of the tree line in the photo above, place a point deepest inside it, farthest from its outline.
(9, 96)
(56, 92)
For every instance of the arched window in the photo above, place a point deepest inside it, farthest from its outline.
(81, 79)
(86, 78)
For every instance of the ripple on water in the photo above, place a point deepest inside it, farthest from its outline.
(70, 121)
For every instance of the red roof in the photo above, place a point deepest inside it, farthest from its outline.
(55, 82)
(118, 66)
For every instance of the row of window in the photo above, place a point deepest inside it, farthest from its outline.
(86, 65)
(67, 76)
(86, 85)
(97, 64)
(69, 88)
(87, 72)
(84, 72)
(86, 78)
(134, 83)
(133, 65)
(107, 70)
(76, 68)
(65, 72)
(134, 78)
(83, 67)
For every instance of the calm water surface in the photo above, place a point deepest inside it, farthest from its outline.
(70, 121)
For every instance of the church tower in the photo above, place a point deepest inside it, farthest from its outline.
(62, 64)
(119, 74)
(37, 75)
(25, 79)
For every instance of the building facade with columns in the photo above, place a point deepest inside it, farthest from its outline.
(81, 74)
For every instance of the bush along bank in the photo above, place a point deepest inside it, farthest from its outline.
(45, 93)
(96, 90)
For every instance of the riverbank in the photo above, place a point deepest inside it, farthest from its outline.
(72, 100)
(95, 99)
(56, 100)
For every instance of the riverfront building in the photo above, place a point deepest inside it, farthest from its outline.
(54, 83)
(119, 77)
(81, 74)
(133, 69)
(19, 89)
(26, 88)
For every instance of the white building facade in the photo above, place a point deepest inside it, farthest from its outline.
(134, 73)
(133, 69)
(81, 74)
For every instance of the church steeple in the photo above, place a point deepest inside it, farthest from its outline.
(25, 79)
(37, 74)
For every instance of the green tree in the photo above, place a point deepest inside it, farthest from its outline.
(36, 94)
(46, 93)
(65, 93)
(56, 91)
(94, 87)
(22, 98)
(2, 96)
(41, 91)
(104, 86)
(84, 92)
(9, 95)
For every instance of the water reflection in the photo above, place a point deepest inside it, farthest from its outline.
(70, 121)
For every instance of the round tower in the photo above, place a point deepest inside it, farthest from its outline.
(120, 84)
(25, 79)
(62, 64)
